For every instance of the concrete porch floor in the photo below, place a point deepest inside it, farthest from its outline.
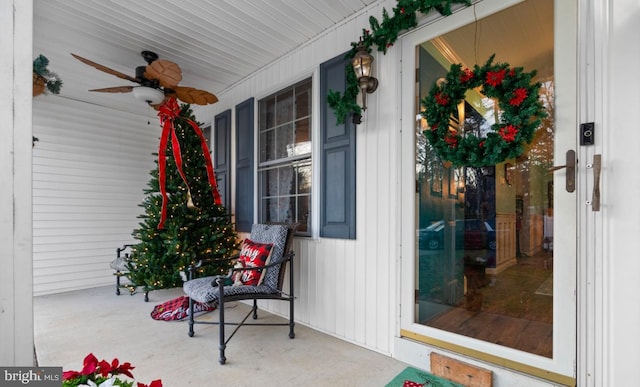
(68, 326)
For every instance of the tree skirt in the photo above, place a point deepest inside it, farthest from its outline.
(178, 309)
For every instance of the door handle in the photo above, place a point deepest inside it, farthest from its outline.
(595, 193)
(570, 164)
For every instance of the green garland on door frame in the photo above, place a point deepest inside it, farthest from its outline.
(383, 34)
(520, 114)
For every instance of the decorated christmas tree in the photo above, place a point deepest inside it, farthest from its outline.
(194, 226)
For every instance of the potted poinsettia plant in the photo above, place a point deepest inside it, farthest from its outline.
(101, 373)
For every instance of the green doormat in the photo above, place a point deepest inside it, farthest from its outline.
(413, 377)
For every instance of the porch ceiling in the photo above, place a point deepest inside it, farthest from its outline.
(215, 42)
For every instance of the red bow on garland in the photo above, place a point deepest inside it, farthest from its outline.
(169, 111)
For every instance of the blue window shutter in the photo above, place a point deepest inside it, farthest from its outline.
(337, 159)
(245, 151)
(222, 156)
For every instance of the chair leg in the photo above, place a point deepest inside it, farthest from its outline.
(222, 345)
(291, 323)
(191, 333)
(117, 283)
(255, 309)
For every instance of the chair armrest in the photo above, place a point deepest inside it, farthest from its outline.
(287, 257)
(208, 261)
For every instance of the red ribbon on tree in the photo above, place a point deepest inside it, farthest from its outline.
(168, 112)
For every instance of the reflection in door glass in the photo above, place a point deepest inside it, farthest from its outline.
(484, 236)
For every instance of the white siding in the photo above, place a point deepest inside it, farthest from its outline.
(346, 288)
(90, 166)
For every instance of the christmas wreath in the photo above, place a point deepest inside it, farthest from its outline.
(520, 114)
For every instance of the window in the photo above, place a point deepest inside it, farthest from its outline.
(284, 165)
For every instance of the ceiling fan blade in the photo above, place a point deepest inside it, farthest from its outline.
(166, 72)
(105, 69)
(193, 95)
(117, 89)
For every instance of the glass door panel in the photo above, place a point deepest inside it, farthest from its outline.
(484, 251)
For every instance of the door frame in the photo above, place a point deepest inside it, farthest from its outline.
(562, 367)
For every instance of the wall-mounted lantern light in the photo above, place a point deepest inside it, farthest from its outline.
(361, 62)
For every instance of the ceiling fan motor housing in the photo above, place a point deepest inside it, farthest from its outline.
(144, 81)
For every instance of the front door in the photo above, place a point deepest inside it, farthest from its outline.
(493, 271)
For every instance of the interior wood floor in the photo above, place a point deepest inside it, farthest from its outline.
(513, 308)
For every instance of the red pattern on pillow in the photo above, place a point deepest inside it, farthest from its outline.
(254, 254)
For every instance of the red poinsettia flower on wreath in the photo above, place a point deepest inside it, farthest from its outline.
(466, 75)
(442, 99)
(494, 78)
(508, 133)
(451, 139)
(519, 95)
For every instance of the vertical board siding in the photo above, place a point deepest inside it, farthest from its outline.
(346, 288)
(89, 172)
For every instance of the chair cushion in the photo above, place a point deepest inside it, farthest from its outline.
(254, 254)
(200, 290)
(119, 264)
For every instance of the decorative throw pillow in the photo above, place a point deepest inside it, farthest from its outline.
(254, 254)
(236, 277)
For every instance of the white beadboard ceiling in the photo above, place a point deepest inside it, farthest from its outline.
(215, 42)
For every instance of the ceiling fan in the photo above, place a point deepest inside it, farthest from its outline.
(158, 81)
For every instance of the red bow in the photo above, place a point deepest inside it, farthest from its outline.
(169, 111)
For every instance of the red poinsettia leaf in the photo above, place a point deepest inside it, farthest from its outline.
(90, 364)
(104, 368)
(125, 369)
(68, 375)
(155, 383)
